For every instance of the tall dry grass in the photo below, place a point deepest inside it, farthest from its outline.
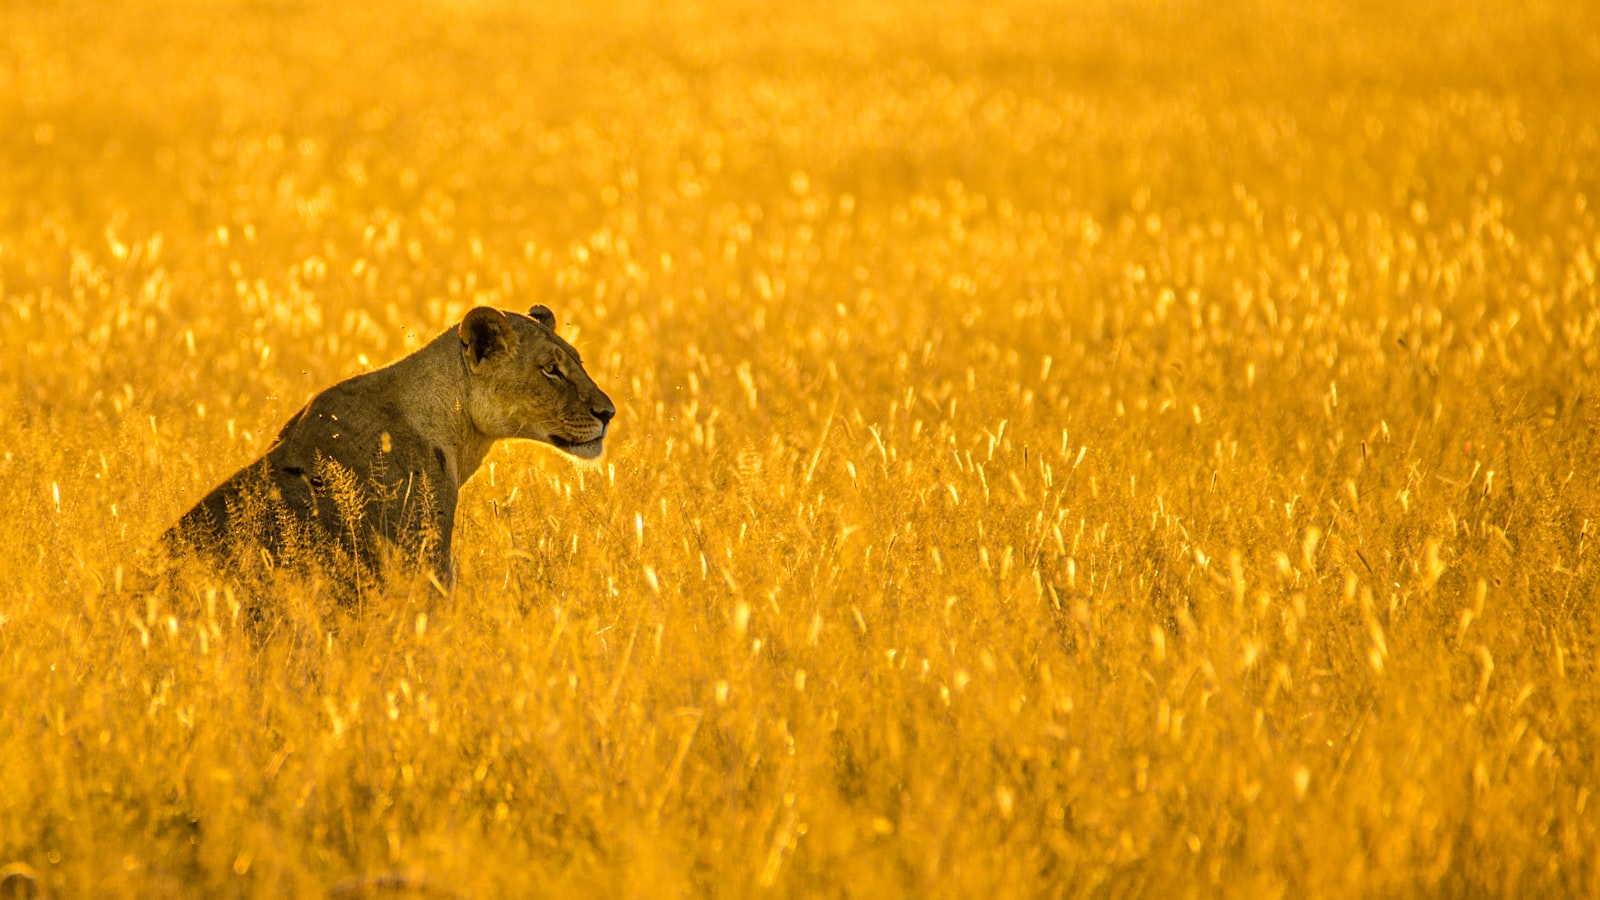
(1121, 448)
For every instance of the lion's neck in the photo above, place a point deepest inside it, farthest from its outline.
(432, 387)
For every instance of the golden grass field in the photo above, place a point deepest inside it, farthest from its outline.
(1105, 448)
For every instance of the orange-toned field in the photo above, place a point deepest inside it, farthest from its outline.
(1105, 448)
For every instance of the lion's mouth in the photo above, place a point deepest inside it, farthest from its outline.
(581, 449)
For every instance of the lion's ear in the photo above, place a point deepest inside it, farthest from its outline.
(543, 316)
(485, 332)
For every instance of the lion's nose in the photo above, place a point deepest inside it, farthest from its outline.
(604, 413)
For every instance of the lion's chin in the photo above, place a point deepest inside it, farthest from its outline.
(581, 449)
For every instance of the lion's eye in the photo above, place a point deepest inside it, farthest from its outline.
(552, 371)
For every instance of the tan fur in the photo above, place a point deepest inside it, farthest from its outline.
(375, 463)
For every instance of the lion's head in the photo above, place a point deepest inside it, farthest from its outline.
(525, 381)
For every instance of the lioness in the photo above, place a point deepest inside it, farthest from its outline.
(374, 464)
